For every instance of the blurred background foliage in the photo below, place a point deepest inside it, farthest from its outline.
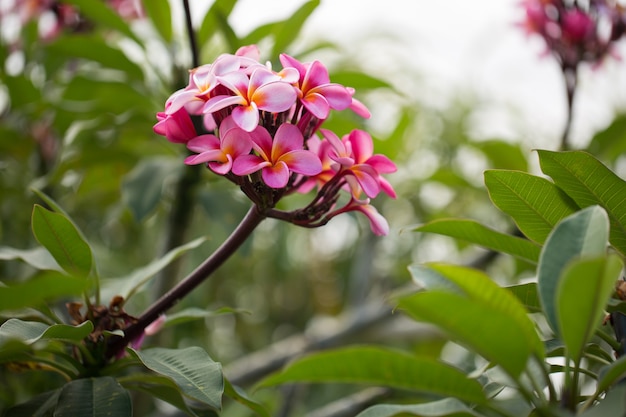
(76, 117)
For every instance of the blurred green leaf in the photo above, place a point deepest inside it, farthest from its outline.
(59, 236)
(139, 277)
(614, 404)
(610, 143)
(358, 80)
(47, 286)
(94, 48)
(38, 258)
(588, 182)
(611, 374)
(503, 155)
(449, 407)
(194, 313)
(39, 405)
(237, 394)
(191, 369)
(142, 188)
(218, 12)
(101, 14)
(94, 397)
(161, 15)
(162, 388)
(21, 92)
(31, 331)
(479, 287)
(504, 344)
(380, 366)
(534, 203)
(584, 233)
(527, 294)
(287, 32)
(474, 232)
(583, 291)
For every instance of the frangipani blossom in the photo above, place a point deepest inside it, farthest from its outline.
(220, 152)
(177, 127)
(264, 90)
(317, 94)
(278, 158)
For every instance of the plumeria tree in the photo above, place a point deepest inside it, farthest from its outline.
(162, 262)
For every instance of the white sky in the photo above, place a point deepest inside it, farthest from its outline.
(461, 47)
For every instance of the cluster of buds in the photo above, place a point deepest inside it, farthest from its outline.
(576, 31)
(261, 129)
(55, 16)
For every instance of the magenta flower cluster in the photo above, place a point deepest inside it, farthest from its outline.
(261, 129)
(576, 31)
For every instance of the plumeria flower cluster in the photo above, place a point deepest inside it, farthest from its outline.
(261, 129)
(55, 16)
(576, 31)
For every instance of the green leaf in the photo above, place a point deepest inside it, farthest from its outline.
(194, 313)
(161, 15)
(38, 258)
(584, 233)
(39, 406)
(588, 182)
(31, 331)
(380, 366)
(527, 294)
(477, 286)
(237, 394)
(534, 203)
(503, 155)
(219, 11)
(57, 234)
(610, 143)
(99, 13)
(582, 294)
(614, 404)
(94, 397)
(191, 369)
(135, 280)
(142, 188)
(497, 337)
(611, 374)
(46, 286)
(474, 232)
(359, 80)
(94, 48)
(447, 407)
(288, 30)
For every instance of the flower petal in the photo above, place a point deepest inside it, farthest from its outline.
(214, 155)
(378, 223)
(247, 164)
(276, 176)
(246, 117)
(203, 143)
(287, 138)
(303, 162)
(275, 97)
(317, 105)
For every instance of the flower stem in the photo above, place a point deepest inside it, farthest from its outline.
(571, 78)
(193, 44)
(252, 219)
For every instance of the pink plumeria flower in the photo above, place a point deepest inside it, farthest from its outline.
(278, 158)
(317, 94)
(378, 223)
(220, 152)
(177, 127)
(355, 154)
(264, 90)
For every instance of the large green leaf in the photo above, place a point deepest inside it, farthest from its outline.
(160, 13)
(191, 369)
(448, 407)
(477, 286)
(527, 294)
(59, 236)
(380, 366)
(237, 394)
(31, 331)
(482, 328)
(582, 294)
(588, 182)
(94, 48)
(142, 188)
(218, 12)
(611, 374)
(288, 30)
(38, 406)
(534, 203)
(46, 286)
(94, 397)
(474, 232)
(503, 155)
(38, 257)
(584, 233)
(101, 14)
(614, 404)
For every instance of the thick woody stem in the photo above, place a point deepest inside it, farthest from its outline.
(252, 219)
